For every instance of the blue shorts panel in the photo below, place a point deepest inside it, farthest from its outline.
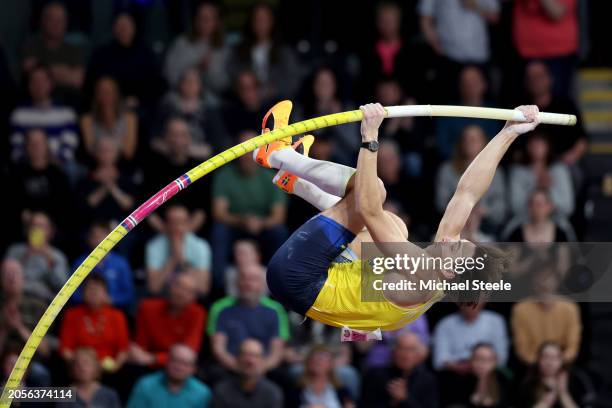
(298, 270)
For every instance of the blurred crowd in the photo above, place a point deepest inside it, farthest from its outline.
(178, 313)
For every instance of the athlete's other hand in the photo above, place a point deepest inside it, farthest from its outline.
(373, 115)
(532, 113)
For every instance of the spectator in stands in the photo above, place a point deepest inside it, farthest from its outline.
(204, 49)
(389, 55)
(457, 32)
(250, 315)
(164, 322)
(177, 251)
(261, 51)
(246, 204)
(456, 335)
(175, 386)
(318, 386)
(246, 253)
(539, 172)
(407, 381)
(173, 157)
(96, 324)
(472, 92)
(86, 370)
(114, 268)
(548, 30)
(248, 106)
(551, 383)
(19, 312)
(569, 143)
(250, 388)
(45, 267)
(130, 62)
(493, 203)
(109, 119)
(539, 225)
(57, 121)
(485, 385)
(323, 97)
(37, 183)
(546, 317)
(379, 353)
(36, 375)
(186, 102)
(65, 61)
(107, 191)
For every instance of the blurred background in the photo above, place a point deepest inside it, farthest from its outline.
(105, 102)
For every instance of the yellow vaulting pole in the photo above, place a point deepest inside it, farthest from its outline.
(210, 165)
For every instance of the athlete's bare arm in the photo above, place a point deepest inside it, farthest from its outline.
(476, 180)
(369, 200)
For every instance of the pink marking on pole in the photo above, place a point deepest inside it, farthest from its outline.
(151, 205)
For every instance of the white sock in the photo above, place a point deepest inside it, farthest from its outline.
(330, 177)
(312, 194)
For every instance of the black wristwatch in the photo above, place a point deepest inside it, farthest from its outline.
(372, 145)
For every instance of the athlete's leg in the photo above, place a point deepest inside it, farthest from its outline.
(304, 189)
(330, 177)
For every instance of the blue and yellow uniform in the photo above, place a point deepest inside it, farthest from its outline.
(303, 276)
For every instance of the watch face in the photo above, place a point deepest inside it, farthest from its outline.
(373, 146)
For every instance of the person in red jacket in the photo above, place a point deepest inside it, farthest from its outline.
(97, 325)
(162, 323)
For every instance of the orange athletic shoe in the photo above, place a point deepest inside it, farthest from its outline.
(280, 114)
(285, 180)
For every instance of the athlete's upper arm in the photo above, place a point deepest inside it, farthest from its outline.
(384, 229)
(455, 216)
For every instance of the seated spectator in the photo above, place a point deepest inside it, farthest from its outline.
(186, 102)
(114, 268)
(549, 31)
(379, 353)
(551, 383)
(38, 183)
(246, 253)
(19, 313)
(247, 107)
(540, 173)
(457, 32)
(389, 55)
(324, 97)
(108, 118)
(50, 48)
(162, 323)
(261, 51)
(57, 121)
(472, 92)
(318, 386)
(546, 317)
(86, 370)
(107, 191)
(177, 251)
(456, 335)
(539, 225)
(45, 267)
(36, 375)
(174, 157)
(250, 315)
(204, 49)
(406, 382)
(246, 204)
(250, 388)
(485, 385)
(95, 324)
(568, 143)
(130, 62)
(175, 386)
(493, 203)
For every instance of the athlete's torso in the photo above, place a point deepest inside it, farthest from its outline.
(340, 304)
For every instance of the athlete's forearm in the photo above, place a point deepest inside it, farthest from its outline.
(476, 180)
(367, 195)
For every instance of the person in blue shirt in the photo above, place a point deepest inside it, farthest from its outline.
(173, 387)
(114, 268)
